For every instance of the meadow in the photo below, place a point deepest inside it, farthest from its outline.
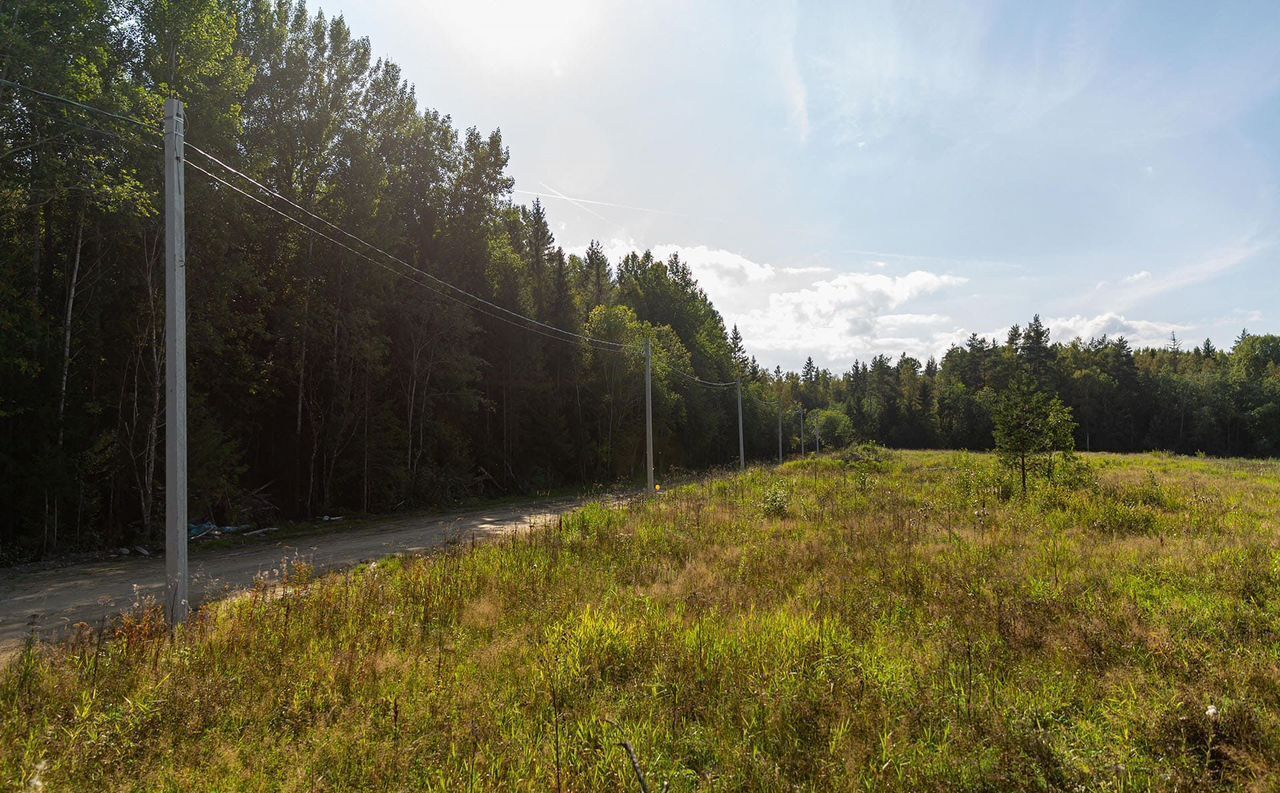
(880, 620)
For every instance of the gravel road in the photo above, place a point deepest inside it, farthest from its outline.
(49, 601)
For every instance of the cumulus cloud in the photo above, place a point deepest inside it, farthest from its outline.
(805, 270)
(864, 293)
(849, 316)
(725, 264)
(1139, 332)
(912, 320)
(787, 313)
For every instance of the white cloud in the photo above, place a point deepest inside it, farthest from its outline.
(1139, 332)
(804, 270)
(1128, 280)
(722, 274)
(898, 321)
(724, 264)
(787, 313)
(849, 316)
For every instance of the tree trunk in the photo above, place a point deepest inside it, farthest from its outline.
(66, 326)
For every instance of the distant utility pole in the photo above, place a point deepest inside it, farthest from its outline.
(779, 426)
(742, 455)
(817, 431)
(177, 597)
(648, 410)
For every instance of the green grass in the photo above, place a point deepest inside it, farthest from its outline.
(899, 623)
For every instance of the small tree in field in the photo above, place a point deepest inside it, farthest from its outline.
(1031, 426)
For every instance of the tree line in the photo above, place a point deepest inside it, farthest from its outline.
(321, 383)
(1188, 401)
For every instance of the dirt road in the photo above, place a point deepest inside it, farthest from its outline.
(49, 601)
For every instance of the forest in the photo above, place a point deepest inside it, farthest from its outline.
(321, 383)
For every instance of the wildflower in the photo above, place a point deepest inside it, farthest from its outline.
(1211, 712)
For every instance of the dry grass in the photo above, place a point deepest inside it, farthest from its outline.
(899, 623)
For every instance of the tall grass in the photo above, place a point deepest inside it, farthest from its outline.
(900, 622)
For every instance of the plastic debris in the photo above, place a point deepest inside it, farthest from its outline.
(197, 530)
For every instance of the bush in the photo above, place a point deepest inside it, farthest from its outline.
(866, 454)
(776, 502)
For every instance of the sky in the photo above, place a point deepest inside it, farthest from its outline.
(854, 178)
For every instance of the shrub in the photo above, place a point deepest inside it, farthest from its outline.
(868, 454)
(776, 501)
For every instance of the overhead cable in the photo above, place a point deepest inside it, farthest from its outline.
(402, 262)
(585, 339)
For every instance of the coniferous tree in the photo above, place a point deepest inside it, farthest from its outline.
(320, 381)
(1031, 426)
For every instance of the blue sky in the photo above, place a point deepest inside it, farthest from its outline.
(856, 178)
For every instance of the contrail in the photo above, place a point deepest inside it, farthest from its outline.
(581, 205)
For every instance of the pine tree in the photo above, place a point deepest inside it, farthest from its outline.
(1031, 425)
(1036, 354)
(741, 364)
(599, 281)
(540, 251)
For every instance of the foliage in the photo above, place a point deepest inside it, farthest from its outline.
(918, 633)
(828, 429)
(320, 382)
(1031, 428)
(775, 501)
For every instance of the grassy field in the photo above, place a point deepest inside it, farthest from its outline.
(908, 622)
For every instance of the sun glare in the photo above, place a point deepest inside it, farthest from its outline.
(539, 39)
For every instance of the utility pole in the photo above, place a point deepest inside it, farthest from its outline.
(779, 426)
(177, 598)
(817, 431)
(648, 410)
(742, 455)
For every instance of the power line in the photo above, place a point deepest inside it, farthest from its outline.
(98, 130)
(670, 368)
(548, 329)
(73, 103)
(587, 339)
(400, 261)
(514, 318)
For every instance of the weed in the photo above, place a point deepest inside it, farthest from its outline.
(775, 502)
(912, 625)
